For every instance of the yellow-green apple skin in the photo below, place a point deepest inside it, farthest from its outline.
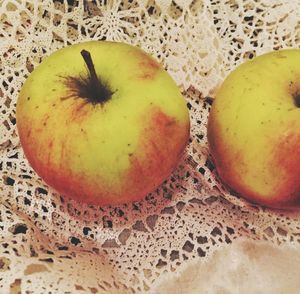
(254, 130)
(111, 152)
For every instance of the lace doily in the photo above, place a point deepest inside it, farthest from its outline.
(49, 245)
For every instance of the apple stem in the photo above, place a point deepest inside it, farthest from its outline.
(90, 65)
(97, 92)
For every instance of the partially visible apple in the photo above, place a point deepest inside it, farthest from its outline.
(254, 130)
(102, 122)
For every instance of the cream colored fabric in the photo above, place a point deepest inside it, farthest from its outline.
(244, 267)
(47, 244)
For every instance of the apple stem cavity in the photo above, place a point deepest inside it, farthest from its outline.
(91, 88)
(297, 99)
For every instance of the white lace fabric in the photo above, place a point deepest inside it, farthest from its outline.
(50, 245)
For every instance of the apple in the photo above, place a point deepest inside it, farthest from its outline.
(254, 130)
(102, 122)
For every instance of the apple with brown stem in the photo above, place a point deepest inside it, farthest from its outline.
(102, 122)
